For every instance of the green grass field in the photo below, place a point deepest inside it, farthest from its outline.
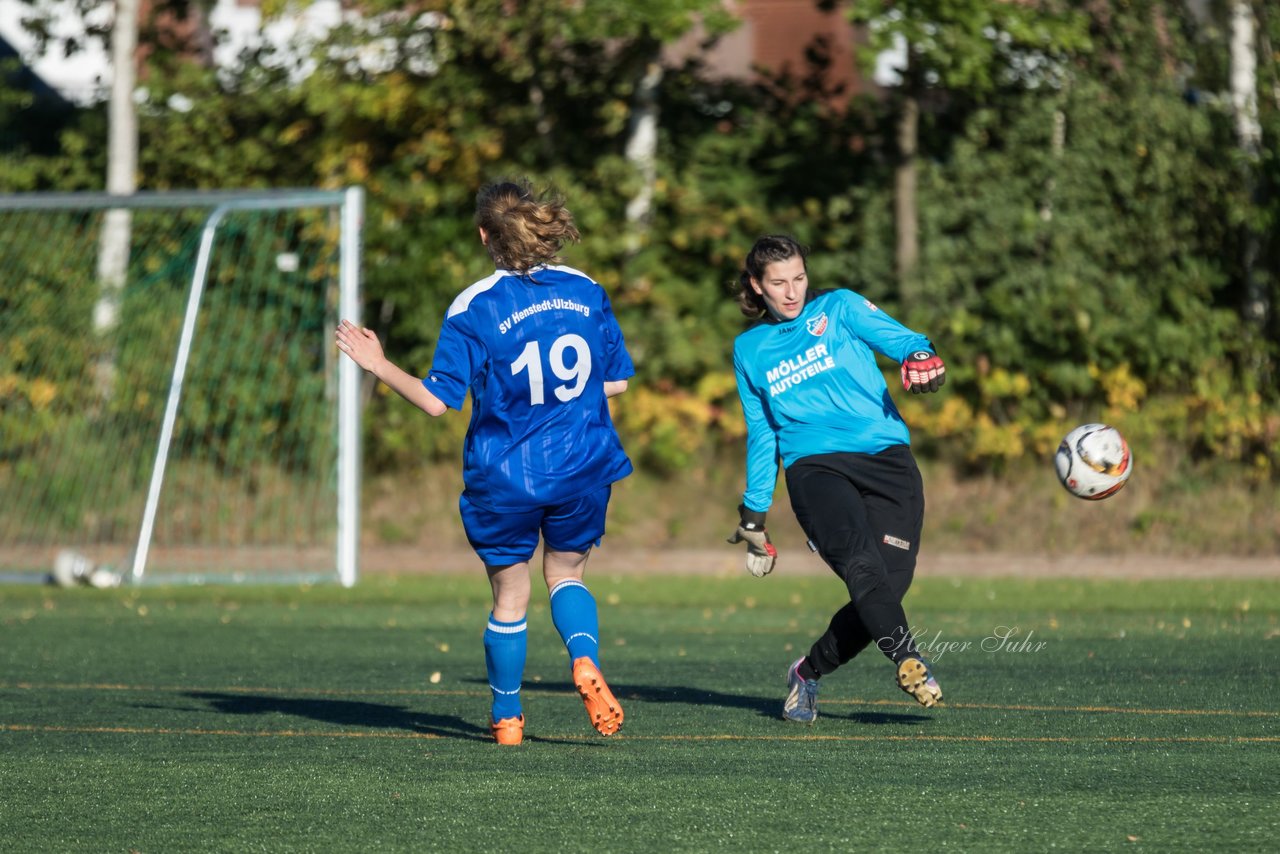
(1119, 716)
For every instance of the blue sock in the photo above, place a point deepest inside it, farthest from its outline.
(573, 610)
(505, 647)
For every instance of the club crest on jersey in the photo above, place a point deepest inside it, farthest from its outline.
(817, 325)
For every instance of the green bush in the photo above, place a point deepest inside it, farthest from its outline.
(1083, 239)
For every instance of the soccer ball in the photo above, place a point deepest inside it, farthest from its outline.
(1093, 461)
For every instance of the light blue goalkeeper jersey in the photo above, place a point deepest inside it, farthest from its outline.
(535, 352)
(811, 386)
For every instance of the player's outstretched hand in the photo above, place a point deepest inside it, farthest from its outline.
(922, 372)
(761, 555)
(360, 344)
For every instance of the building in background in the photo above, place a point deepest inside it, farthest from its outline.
(792, 37)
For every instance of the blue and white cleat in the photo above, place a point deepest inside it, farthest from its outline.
(801, 704)
(914, 678)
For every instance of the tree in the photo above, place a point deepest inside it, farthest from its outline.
(1079, 207)
(964, 49)
(1244, 104)
(122, 167)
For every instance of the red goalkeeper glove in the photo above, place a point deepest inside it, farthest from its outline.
(761, 555)
(923, 371)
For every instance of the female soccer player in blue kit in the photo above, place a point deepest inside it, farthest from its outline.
(812, 394)
(539, 349)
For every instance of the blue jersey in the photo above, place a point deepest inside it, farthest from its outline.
(811, 386)
(535, 352)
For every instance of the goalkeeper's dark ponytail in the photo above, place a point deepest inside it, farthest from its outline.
(750, 303)
(767, 250)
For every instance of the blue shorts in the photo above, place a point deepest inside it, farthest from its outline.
(501, 539)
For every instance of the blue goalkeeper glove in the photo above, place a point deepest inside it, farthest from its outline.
(922, 372)
(761, 555)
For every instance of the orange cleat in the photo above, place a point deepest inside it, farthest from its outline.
(508, 731)
(602, 706)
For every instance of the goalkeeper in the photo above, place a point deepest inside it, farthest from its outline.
(540, 351)
(812, 394)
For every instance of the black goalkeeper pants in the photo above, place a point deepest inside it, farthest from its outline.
(863, 513)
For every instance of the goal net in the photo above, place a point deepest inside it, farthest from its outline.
(171, 403)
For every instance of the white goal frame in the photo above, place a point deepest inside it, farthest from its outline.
(349, 204)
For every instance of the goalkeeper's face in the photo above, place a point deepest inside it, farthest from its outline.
(783, 287)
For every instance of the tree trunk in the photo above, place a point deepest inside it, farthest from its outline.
(1244, 102)
(906, 216)
(122, 169)
(642, 151)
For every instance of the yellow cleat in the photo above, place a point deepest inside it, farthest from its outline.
(914, 678)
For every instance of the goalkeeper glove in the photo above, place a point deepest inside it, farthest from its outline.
(923, 371)
(761, 555)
